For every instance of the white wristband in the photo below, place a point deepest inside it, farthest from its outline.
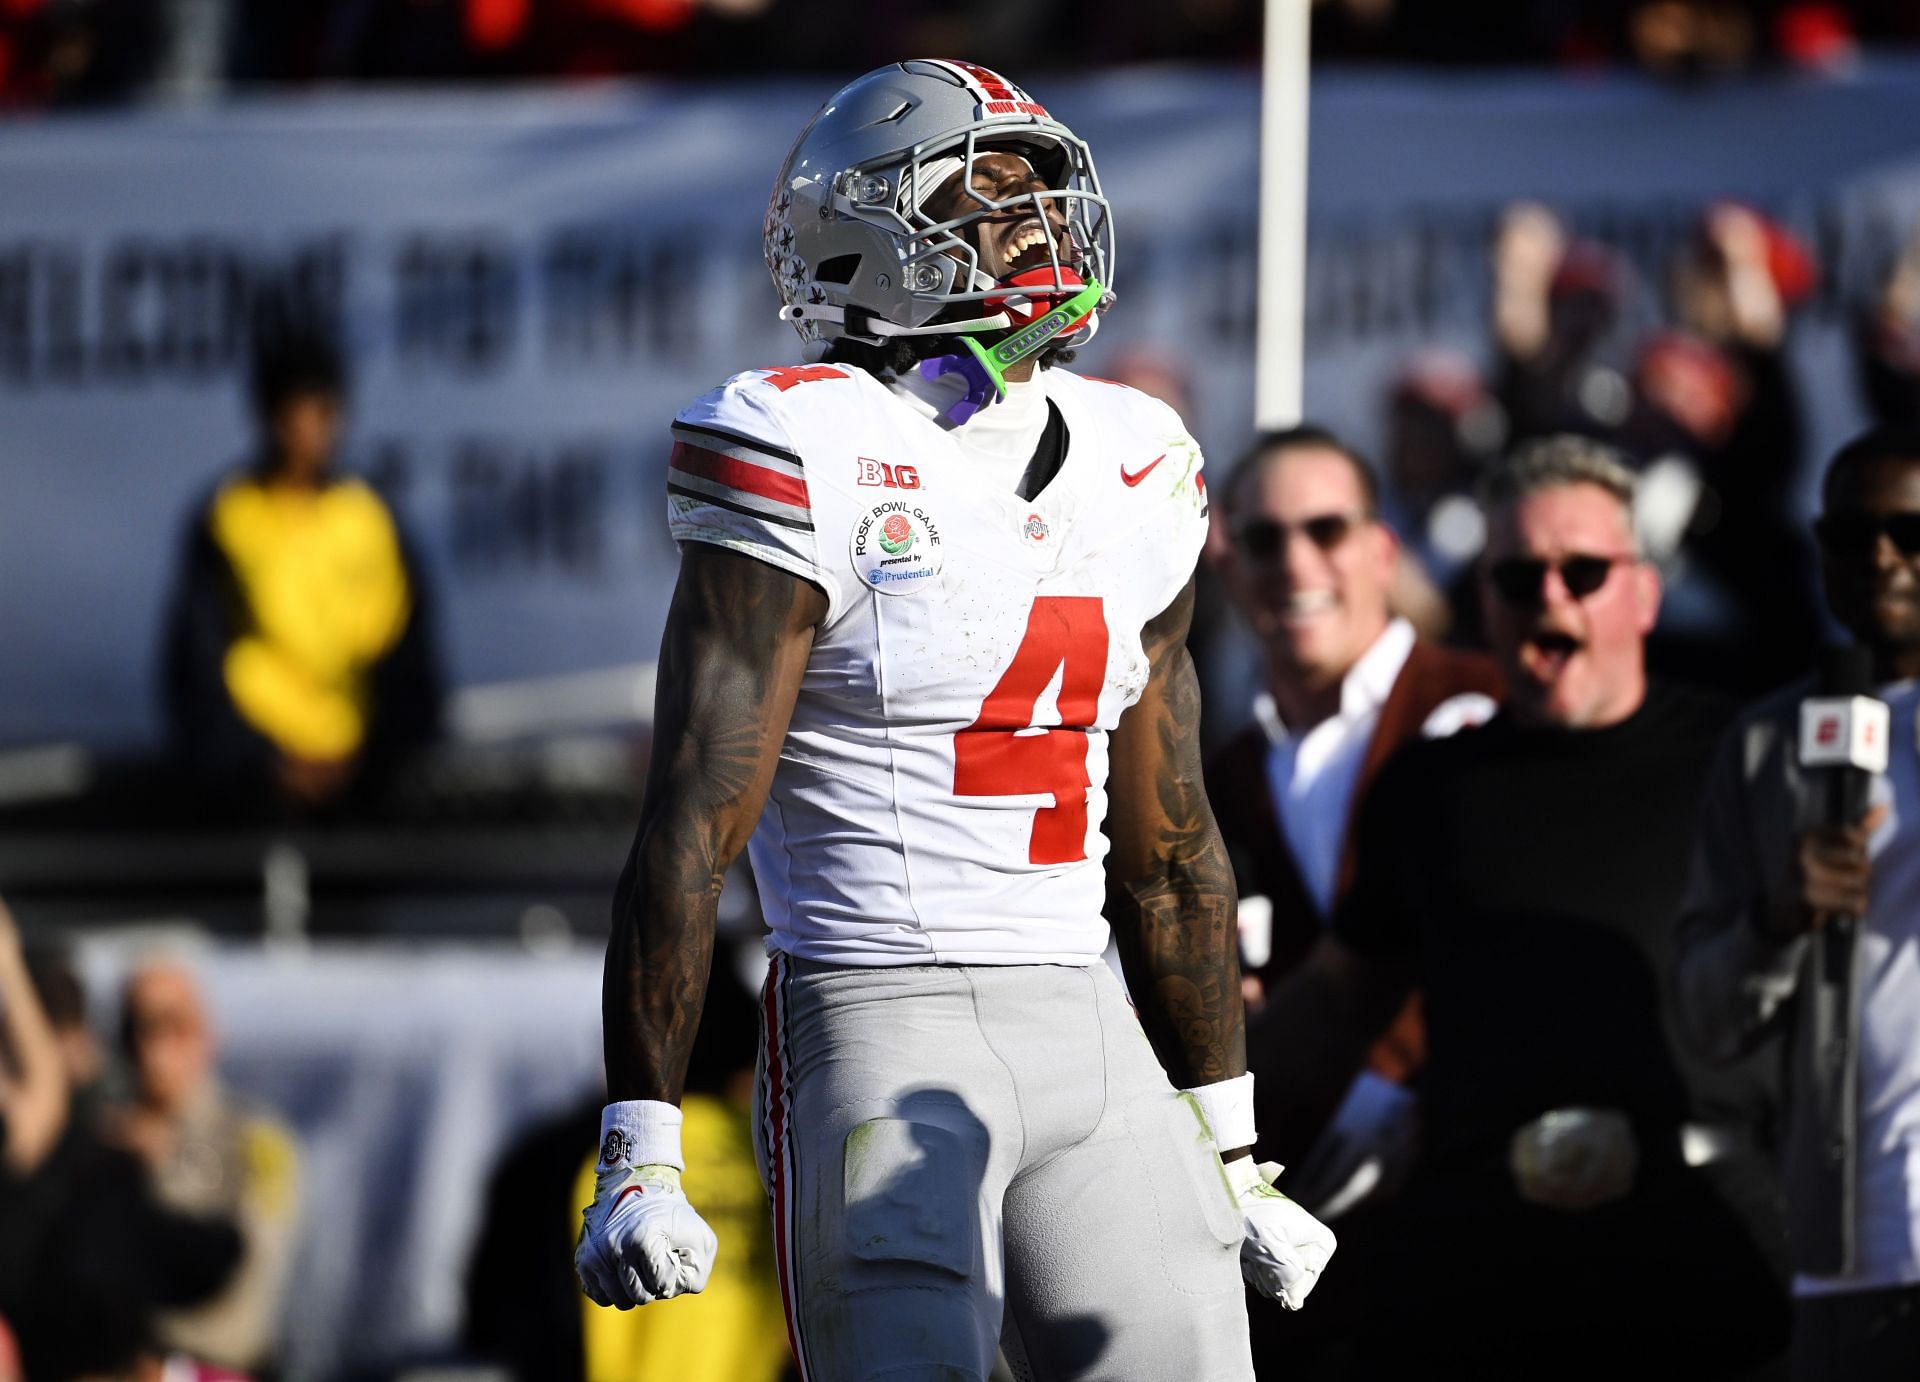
(640, 1132)
(1228, 1108)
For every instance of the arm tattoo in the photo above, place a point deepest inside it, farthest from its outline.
(1170, 890)
(735, 645)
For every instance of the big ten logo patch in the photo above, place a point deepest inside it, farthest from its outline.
(887, 476)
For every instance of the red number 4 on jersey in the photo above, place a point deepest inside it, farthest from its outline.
(991, 758)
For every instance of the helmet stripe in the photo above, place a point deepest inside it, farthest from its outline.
(967, 79)
(993, 93)
(997, 87)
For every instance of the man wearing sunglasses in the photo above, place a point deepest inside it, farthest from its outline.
(1526, 877)
(1770, 878)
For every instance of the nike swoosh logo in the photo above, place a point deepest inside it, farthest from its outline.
(1142, 473)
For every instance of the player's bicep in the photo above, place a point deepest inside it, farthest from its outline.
(731, 659)
(1158, 813)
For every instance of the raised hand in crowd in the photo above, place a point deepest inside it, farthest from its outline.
(1750, 310)
(33, 1087)
(1526, 255)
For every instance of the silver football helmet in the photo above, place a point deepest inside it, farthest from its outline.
(854, 254)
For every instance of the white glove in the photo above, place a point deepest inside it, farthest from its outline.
(1286, 1247)
(641, 1241)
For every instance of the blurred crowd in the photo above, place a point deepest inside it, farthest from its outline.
(147, 1215)
(1689, 378)
(80, 52)
(1552, 952)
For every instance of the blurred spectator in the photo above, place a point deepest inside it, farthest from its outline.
(1554, 302)
(1443, 427)
(83, 1059)
(1692, 38)
(1723, 397)
(1760, 950)
(65, 51)
(1819, 35)
(523, 1300)
(33, 1084)
(210, 1156)
(75, 52)
(1570, 1211)
(86, 1256)
(1709, 414)
(1346, 684)
(734, 1330)
(1887, 338)
(300, 670)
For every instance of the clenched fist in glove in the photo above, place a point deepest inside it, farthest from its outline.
(1286, 1247)
(642, 1241)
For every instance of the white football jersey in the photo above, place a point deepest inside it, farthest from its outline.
(941, 788)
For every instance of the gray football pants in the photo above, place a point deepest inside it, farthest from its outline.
(964, 1156)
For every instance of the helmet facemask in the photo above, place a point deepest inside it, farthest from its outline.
(941, 261)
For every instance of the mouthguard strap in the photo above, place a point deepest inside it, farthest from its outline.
(1035, 336)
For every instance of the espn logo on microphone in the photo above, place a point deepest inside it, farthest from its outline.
(1844, 732)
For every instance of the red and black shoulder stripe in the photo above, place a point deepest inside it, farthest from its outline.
(738, 472)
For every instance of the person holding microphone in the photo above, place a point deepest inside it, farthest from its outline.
(1803, 919)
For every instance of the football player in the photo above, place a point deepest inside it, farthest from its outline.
(928, 637)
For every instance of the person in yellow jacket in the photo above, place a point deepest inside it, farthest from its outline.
(299, 666)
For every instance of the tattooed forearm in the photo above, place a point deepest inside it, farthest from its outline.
(736, 643)
(1170, 890)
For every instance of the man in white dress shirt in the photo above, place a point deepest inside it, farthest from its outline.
(1346, 683)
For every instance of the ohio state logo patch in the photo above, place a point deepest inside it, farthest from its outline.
(896, 548)
(1036, 527)
(617, 1150)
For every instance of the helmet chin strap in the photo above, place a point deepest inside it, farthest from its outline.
(983, 369)
(881, 328)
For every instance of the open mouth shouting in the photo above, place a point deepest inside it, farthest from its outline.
(1023, 245)
(1546, 653)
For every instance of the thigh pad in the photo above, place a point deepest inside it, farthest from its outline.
(912, 1193)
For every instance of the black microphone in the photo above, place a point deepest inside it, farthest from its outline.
(1844, 739)
(1844, 734)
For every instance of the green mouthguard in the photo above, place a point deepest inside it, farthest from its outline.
(1034, 336)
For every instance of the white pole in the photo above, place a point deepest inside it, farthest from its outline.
(1278, 349)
